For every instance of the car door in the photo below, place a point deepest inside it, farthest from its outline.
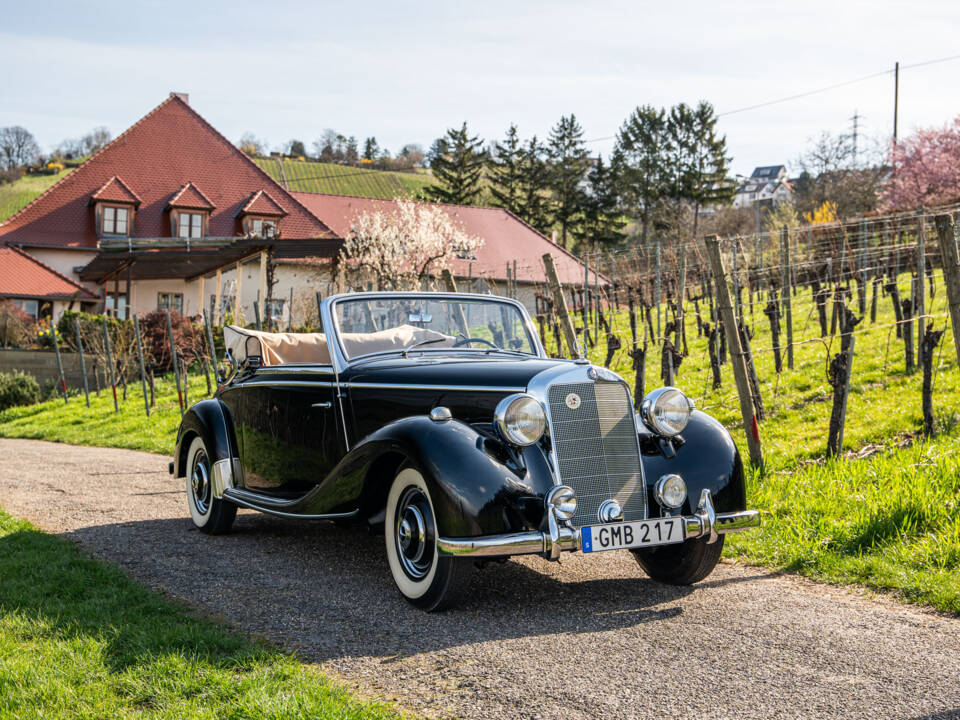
(291, 429)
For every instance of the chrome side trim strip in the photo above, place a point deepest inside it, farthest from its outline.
(223, 476)
(444, 388)
(304, 368)
(286, 383)
(243, 498)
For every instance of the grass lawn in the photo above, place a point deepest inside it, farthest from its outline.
(20, 193)
(79, 639)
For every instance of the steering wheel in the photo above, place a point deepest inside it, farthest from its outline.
(467, 340)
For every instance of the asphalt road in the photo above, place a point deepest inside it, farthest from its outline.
(590, 638)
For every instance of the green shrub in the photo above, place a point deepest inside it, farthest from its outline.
(18, 388)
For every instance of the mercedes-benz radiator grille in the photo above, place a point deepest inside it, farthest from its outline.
(595, 443)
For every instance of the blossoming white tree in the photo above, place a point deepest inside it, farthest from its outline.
(403, 245)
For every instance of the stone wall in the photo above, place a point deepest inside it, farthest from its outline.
(42, 364)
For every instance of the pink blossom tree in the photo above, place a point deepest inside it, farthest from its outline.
(926, 169)
(403, 245)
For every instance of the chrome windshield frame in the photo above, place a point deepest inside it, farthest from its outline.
(339, 357)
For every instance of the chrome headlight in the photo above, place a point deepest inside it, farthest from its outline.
(563, 500)
(520, 419)
(666, 411)
(671, 491)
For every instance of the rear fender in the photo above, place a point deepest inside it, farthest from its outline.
(210, 420)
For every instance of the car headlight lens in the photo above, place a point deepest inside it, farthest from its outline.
(671, 491)
(666, 411)
(564, 502)
(520, 419)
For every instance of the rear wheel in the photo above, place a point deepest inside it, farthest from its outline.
(209, 514)
(681, 564)
(424, 577)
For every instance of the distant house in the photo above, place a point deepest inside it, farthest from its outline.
(766, 183)
(172, 215)
(37, 289)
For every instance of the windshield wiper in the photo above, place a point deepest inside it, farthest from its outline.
(431, 341)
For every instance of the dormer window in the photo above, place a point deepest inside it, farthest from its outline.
(115, 221)
(260, 216)
(264, 228)
(191, 225)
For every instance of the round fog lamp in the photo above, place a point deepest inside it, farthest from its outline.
(520, 419)
(563, 501)
(666, 411)
(671, 491)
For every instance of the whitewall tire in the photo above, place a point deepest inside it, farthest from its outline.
(209, 514)
(424, 577)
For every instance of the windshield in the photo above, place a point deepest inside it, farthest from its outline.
(369, 325)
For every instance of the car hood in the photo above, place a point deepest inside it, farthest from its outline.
(470, 371)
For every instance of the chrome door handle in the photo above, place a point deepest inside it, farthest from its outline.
(322, 405)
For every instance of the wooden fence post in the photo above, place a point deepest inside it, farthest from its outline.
(83, 364)
(725, 308)
(919, 302)
(173, 361)
(56, 349)
(560, 302)
(143, 373)
(786, 294)
(947, 234)
(113, 374)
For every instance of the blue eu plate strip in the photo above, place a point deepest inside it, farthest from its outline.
(586, 539)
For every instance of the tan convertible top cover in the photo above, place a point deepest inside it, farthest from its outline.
(284, 348)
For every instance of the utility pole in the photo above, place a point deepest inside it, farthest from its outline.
(896, 99)
(856, 119)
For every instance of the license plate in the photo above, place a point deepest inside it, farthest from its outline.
(642, 533)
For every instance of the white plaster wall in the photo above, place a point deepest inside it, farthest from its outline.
(64, 261)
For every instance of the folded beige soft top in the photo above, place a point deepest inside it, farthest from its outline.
(285, 348)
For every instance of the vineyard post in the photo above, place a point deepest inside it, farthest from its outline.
(725, 309)
(212, 347)
(931, 338)
(681, 335)
(947, 234)
(256, 312)
(840, 371)
(319, 303)
(786, 293)
(173, 360)
(56, 349)
(83, 364)
(919, 302)
(560, 302)
(143, 373)
(657, 298)
(451, 286)
(113, 376)
(290, 312)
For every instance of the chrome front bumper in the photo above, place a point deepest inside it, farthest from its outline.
(704, 523)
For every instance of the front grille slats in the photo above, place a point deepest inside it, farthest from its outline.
(596, 448)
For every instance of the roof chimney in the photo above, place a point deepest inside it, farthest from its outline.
(183, 96)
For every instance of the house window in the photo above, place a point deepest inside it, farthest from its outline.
(115, 221)
(264, 228)
(191, 225)
(275, 311)
(170, 301)
(30, 307)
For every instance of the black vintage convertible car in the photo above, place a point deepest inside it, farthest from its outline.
(441, 419)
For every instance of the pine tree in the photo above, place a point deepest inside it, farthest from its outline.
(534, 207)
(459, 169)
(643, 174)
(506, 174)
(601, 217)
(568, 165)
(371, 150)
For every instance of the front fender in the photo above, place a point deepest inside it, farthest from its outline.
(707, 459)
(211, 420)
(474, 491)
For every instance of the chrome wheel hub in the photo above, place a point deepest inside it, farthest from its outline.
(415, 536)
(200, 483)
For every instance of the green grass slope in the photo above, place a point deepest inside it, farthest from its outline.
(344, 180)
(80, 639)
(18, 194)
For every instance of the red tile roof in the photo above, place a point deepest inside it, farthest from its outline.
(116, 190)
(262, 203)
(166, 149)
(190, 197)
(506, 237)
(22, 275)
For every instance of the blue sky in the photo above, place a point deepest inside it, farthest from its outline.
(406, 71)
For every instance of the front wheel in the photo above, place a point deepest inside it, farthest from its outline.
(424, 577)
(209, 514)
(682, 564)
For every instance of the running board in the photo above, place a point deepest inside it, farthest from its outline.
(279, 508)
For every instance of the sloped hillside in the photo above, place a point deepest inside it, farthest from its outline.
(306, 176)
(18, 194)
